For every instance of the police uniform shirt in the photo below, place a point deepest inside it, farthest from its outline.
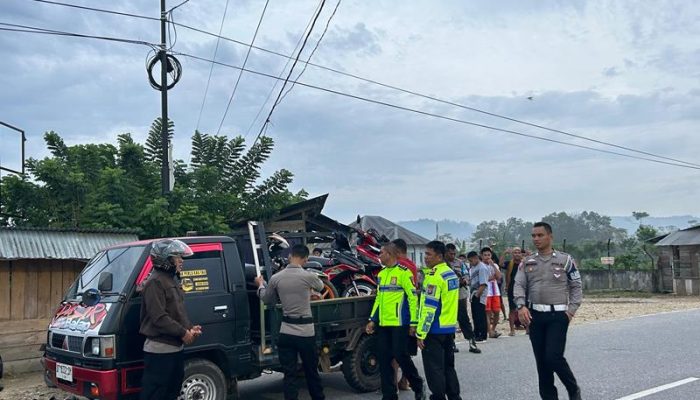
(551, 280)
(292, 286)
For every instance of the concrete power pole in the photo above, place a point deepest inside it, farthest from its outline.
(165, 140)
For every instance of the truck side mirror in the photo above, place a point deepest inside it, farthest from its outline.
(105, 284)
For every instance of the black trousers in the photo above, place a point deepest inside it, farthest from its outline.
(548, 338)
(439, 366)
(162, 375)
(479, 318)
(463, 319)
(290, 347)
(392, 343)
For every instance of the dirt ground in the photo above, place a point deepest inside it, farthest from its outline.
(596, 307)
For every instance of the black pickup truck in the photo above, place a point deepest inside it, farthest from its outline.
(96, 351)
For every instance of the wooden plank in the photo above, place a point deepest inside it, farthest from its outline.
(46, 303)
(21, 352)
(19, 276)
(27, 325)
(22, 339)
(68, 276)
(31, 290)
(56, 283)
(4, 290)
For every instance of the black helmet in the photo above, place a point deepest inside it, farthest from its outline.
(162, 250)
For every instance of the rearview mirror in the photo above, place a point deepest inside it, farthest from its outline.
(105, 284)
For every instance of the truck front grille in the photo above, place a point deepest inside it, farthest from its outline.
(67, 342)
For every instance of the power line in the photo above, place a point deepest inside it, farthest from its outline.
(289, 60)
(407, 91)
(430, 114)
(323, 34)
(443, 101)
(291, 70)
(31, 29)
(245, 61)
(177, 6)
(211, 69)
(58, 3)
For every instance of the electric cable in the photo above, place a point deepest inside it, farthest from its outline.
(289, 60)
(211, 69)
(58, 3)
(443, 117)
(43, 31)
(291, 70)
(245, 61)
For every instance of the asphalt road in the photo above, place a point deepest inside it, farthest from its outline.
(611, 360)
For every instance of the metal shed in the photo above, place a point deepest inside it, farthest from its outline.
(679, 257)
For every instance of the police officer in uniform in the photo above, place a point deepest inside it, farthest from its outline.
(297, 337)
(437, 323)
(395, 310)
(547, 292)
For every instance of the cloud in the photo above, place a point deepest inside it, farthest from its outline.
(609, 71)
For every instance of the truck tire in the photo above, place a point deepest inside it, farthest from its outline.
(203, 381)
(360, 366)
(363, 289)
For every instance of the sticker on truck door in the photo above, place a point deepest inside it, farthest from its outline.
(194, 280)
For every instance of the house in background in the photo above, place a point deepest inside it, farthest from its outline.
(416, 243)
(37, 266)
(679, 261)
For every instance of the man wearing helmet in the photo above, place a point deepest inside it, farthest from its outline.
(164, 322)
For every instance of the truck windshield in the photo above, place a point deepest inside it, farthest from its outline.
(119, 262)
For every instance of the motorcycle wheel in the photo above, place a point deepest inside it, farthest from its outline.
(363, 289)
(329, 292)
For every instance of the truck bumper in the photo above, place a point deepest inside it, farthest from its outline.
(85, 380)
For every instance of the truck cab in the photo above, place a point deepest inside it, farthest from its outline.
(94, 348)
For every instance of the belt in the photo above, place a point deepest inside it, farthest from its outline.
(549, 307)
(297, 320)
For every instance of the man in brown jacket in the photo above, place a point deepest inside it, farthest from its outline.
(164, 322)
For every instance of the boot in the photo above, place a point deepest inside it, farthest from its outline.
(473, 348)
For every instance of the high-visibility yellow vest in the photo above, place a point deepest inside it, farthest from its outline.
(396, 303)
(439, 302)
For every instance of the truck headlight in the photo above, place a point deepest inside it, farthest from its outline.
(102, 346)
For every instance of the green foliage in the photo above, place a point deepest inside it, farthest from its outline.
(107, 186)
(586, 236)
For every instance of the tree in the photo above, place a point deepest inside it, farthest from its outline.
(640, 215)
(108, 186)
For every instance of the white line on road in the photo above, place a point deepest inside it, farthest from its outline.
(658, 389)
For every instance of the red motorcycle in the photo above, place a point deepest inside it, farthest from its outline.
(348, 273)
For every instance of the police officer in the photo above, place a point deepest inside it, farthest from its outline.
(437, 322)
(297, 337)
(547, 293)
(395, 311)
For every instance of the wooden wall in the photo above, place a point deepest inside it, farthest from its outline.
(30, 291)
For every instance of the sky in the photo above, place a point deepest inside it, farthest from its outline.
(620, 72)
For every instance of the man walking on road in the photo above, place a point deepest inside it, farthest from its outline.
(547, 292)
(437, 323)
(462, 315)
(511, 271)
(297, 337)
(478, 280)
(395, 316)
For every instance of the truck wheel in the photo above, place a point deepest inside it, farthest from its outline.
(363, 289)
(361, 367)
(203, 381)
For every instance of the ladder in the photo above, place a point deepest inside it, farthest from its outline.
(259, 246)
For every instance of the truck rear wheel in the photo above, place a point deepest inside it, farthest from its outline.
(360, 366)
(203, 381)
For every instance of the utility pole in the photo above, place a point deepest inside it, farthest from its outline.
(165, 167)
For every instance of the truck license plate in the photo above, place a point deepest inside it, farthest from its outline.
(64, 372)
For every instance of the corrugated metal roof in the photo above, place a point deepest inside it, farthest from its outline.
(685, 237)
(62, 244)
(390, 229)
